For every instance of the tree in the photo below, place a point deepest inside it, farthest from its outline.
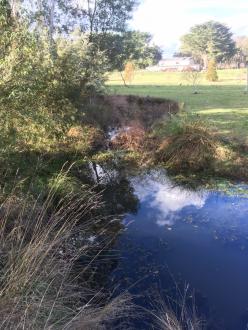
(52, 22)
(242, 44)
(102, 16)
(134, 46)
(211, 40)
(58, 17)
(211, 71)
(52, 17)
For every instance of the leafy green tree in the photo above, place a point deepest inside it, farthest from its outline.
(102, 16)
(38, 56)
(128, 46)
(51, 17)
(91, 16)
(39, 95)
(80, 67)
(211, 40)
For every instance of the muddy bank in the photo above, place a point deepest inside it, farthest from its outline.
(120, 110)
(145, 110)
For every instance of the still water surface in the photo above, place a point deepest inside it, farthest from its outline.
(180, 236)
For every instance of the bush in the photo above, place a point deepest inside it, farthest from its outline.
(212, 71)
(41, 96)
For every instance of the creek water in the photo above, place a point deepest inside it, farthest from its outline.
(178, 237)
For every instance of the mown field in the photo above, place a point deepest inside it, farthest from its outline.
(223, 104)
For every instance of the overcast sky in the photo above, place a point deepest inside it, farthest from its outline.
(167, 20)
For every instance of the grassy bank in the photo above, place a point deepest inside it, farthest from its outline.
(223, 104)
(220, 109)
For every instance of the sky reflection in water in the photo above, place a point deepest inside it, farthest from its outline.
(200, 236)
(167, 198)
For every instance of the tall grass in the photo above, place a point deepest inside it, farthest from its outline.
(38, 287)
(177, 313)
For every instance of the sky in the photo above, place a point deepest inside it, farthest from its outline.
(168, 20)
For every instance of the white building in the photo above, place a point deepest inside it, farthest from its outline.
(176, 64)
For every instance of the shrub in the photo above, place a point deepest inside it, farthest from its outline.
(40, 96)
(212, 71)
(85, 139)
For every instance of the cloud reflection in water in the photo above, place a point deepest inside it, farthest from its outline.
(166, 199)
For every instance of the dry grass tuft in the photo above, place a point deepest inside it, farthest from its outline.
(38, 289)
(131, 138)
(101, 318)
(177, 315)
(191, 146)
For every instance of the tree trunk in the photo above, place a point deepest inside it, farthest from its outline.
(123, 79)
(51, 29)
(15, 8)
(205, 61)
(91, 15)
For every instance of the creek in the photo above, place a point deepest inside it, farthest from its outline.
(177, 237)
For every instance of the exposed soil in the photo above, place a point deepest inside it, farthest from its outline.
(143, 110)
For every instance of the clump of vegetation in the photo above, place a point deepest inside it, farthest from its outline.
(85, 139)
(212, 74)
(176, 313)
(188, 144)
(39, 244)
(130, 138)
(167, 318)
(188, 147)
